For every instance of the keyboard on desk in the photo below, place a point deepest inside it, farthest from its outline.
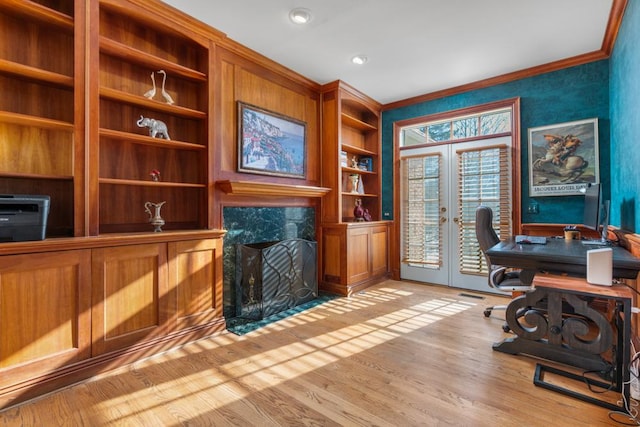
(596, 243)
(536, 240)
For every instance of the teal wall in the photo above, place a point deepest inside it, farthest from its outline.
(576, 93)
(625, 122)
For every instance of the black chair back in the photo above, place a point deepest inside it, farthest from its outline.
(485, 233)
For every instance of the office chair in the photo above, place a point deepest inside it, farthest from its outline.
(499, 278)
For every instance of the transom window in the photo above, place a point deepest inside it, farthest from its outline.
(487, 123)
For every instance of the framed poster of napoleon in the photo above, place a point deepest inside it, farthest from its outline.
(563, 158)
(270, 143)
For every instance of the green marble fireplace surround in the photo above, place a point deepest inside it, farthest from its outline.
(247, 225)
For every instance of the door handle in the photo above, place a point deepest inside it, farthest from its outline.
(456, 220)
(443, 219)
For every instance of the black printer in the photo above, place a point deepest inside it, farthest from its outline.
(23, 217)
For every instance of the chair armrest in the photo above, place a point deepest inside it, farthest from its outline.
(520, 281)
(496, 276)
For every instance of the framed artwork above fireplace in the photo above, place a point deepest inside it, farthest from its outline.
(270, 143)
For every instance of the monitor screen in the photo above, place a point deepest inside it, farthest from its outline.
(592, 204)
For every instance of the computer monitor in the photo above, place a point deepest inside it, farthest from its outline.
(604, 221)
(596, 211)
(592, 205)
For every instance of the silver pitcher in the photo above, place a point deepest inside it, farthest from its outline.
(154, 217)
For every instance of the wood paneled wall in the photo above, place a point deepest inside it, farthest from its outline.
(242, 80)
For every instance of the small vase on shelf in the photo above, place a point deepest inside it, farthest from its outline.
(154, 217)
(354, 178)
(358, 211)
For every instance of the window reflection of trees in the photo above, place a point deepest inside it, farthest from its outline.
(488, 123)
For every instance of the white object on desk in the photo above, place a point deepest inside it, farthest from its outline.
(600, 266)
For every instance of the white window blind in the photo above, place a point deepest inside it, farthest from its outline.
(422, 201)
(483, 179)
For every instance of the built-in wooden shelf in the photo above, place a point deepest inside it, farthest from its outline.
(42, 13)
(356, 170)
(35, 176)
(35, 121)
(141, 101)
(351, 122)
(250, 188)
(117, 181)
(357, 123)
(117, 49)
(147, 140)
(347, 193)
(37, 74)
(357, 150)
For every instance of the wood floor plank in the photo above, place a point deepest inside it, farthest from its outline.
(397, 354)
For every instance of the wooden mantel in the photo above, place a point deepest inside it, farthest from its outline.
(253, 188)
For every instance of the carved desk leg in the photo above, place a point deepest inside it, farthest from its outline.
(554, 325)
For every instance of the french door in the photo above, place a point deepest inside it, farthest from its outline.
(441, 187)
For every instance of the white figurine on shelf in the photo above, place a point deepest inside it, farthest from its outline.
(157, 128)
(354, 178)
(151, 92)
(360, 186)
(166, 96)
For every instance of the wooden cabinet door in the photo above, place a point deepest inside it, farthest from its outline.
(379, 251)
(195, 282)
(353, 256)
(333, 268)
(130, 295)
(44, 312)
(358, 255)
(367, 253)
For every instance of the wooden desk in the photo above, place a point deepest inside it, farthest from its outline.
(557, 321)
(560, 256)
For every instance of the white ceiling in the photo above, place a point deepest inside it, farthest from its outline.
(414, 46)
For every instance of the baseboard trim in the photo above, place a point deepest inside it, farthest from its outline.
(74, 373)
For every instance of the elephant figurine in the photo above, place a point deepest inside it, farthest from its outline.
(157, 128)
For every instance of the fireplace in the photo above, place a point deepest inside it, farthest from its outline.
(274, 276)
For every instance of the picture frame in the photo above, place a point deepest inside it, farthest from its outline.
(563, 158)
(270, 143)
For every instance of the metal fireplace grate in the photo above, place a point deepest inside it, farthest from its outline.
(274, 276)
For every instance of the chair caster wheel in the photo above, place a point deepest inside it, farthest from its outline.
(506, 328)
(487, 313)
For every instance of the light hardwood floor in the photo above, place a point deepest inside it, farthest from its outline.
(398, 354)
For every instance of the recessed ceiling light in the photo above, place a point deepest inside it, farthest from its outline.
(300, 15)
(359, 59)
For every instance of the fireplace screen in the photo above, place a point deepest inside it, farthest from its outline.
(275, 276)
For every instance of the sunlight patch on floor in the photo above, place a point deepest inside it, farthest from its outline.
(347, 305)
(448, 306)
(297, 319)
(319, 351)
(391, 291)
(276, 366)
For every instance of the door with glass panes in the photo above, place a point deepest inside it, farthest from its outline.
(441, 186)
